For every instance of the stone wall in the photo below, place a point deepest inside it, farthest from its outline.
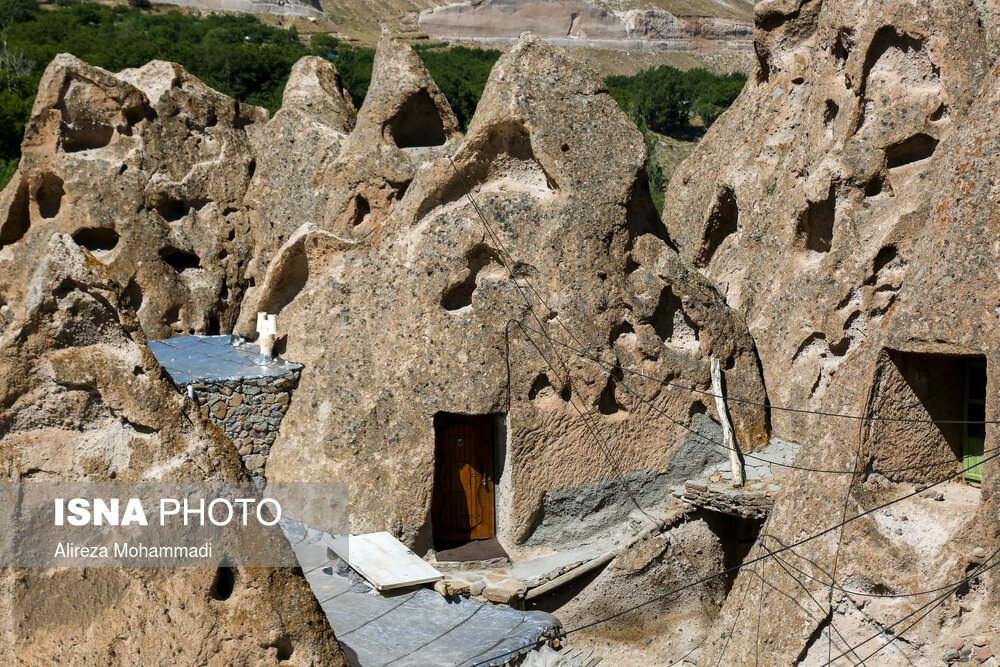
(249, 411)
(754, 503)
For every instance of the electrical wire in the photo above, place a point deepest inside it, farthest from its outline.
(524, 329)
(905, 420)
(933, 604)
(753, 561)
(495, 238)
(498, 242)
(847, 591)
(736, 618)
(829, 611)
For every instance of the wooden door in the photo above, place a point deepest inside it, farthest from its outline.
(463, 490)
(974, 410)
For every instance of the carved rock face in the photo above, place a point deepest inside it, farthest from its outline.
(417, 317)
(148, 170)
(83, 398)
(846, 206)
(821, 168)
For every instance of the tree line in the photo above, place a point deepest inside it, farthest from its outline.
(240, 56)
(669, 98)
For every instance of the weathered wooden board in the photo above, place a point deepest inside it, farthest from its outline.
(385, 561)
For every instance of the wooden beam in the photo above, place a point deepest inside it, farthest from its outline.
(728, 439)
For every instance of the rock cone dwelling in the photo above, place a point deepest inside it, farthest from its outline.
(525, 375)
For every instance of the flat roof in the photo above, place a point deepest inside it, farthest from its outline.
(191, 359)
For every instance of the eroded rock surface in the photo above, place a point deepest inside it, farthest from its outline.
(419, 317)
(148, 170)
(844, 207)
(294, 153)
(82, 398)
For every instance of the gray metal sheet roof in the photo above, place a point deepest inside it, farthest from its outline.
(414, 627)
(211, 358)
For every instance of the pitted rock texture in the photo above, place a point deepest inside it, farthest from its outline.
(82, 398)
(848, 107)
(421, 316)
(349, 171)
(148, 170)
(861, 160)
(294, 153)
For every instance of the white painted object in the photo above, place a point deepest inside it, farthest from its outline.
(727, 429)
(267, 327)
(385, 561)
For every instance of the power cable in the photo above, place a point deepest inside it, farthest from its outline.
(498, 242)
(524, 329)
(933, 604)
(495, 238)
(748, 563)
(583, 352)
(829, 611)
(847, 591)
(736, 618)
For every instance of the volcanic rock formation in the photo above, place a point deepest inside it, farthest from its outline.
(82, 398)
(426, 313)
(148, 170)
(861, 160)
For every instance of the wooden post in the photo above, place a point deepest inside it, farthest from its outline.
(727, 429)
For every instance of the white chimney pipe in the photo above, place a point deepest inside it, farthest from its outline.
(267, 327)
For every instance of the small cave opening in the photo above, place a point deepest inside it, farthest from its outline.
(171, 209)
(224, 583)
(723, 222)
(284, 648)
(815, 226)
(180, 260)
(916, 148)
(830, 114)
(213, 326)
(875, 186)
(418, 123)
(134, 294)
(49, 195)
(361, 210)
(541, 386)
(96, 239)
(18, 216)
(736, 534)
(886, 255)
(608, 403)
(85, 137)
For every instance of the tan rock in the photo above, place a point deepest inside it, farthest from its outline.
(505, 593)
(842, 206)
(83, 398)
(415, 321)
(147, 169)
(295, 151)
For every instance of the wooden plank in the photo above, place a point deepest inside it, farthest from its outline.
(727, 429)
(385, 561)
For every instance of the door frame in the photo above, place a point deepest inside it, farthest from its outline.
(973, 446)
(484, 424)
